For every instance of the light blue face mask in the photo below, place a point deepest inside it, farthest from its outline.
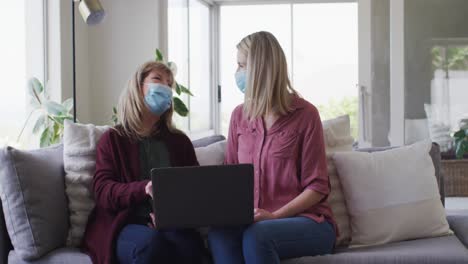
(241, 77)
(158, 98)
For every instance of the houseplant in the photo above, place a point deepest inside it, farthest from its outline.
(456, 170)
(48, 115)
(461, 140)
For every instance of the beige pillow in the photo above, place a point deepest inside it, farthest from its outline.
(337, 134)
(391, 195)
(79, 158)
(212, 154)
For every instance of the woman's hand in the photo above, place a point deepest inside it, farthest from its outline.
(149, 189)
(153, 221)
(261, 215)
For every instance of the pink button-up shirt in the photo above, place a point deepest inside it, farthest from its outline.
(287, 159)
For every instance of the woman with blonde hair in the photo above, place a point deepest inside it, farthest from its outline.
(121, 227)
(281, 135)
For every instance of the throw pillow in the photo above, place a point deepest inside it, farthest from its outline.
(439, 131)
(212, 154)
(33, 200)
(391, 195)
(337, 134)
(79, 157)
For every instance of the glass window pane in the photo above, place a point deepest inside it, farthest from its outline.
(199, 63)
(274, 18)
(13, 101)
(449, 86)
(178, 49)
(326, 57)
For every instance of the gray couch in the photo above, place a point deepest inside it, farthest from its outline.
(449, 249)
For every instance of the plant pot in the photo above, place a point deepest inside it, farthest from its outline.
(455, 177)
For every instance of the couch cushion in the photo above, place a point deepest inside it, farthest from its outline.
(447, 250)
(435, 156)
(212, 154)
(59, 256)
(203, 142)
(36, 223)
(395, 190)
(458, 221)
(337, 133)
(79, 157)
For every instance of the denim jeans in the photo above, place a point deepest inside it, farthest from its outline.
(271, 240)
(139, 244)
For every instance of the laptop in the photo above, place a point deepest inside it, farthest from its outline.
(192, 197)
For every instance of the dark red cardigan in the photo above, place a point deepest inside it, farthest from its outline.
(117, 188)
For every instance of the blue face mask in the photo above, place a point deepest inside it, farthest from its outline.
(158, 98)
(241, 80)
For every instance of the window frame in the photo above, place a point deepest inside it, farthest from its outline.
(216, 89)
(212, 64)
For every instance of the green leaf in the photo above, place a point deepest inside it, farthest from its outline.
(34, 103)
(114, 110)
(46, 137)
(35, 88)
(68, 104)
(184, 89)
(459, 134)
(54, 108)
(159, 56)
(61, 119)
(462, 149)
(56, 134)
(180, 107)
(39, 123)
(178, 91)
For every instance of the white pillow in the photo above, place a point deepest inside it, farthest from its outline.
(79, 158)
(439, 130)
(212, 154)
(337, 134)
(391, 195)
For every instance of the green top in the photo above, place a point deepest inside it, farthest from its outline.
(153, 154)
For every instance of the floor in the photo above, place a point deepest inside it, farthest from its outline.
(456, 203)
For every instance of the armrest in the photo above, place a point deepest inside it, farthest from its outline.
(5, 243)
(458, 222)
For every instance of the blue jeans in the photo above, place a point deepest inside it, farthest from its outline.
(138, 244)
(271, 240)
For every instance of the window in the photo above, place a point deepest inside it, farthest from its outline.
(320, 41)
(22, 22)
(449, 82)
(189, 46)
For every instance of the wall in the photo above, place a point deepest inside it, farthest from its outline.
(425, 20)
(126, 38)
(106, 54)
(380, 38)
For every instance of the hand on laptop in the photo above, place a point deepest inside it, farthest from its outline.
(153, 221)
(261, 215)
(149, 189)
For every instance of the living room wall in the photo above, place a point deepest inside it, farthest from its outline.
(426, 20)
(108, 53)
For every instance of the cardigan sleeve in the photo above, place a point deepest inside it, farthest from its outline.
(190, 158)
(110, 192)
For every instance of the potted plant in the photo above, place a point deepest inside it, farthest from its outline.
(49, 115)
(456, 170)
(461, 140)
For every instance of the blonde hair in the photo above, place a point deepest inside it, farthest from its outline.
(267, 85)
(132, 104)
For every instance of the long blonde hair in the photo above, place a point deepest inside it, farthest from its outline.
(132, 104)
(267, 86)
